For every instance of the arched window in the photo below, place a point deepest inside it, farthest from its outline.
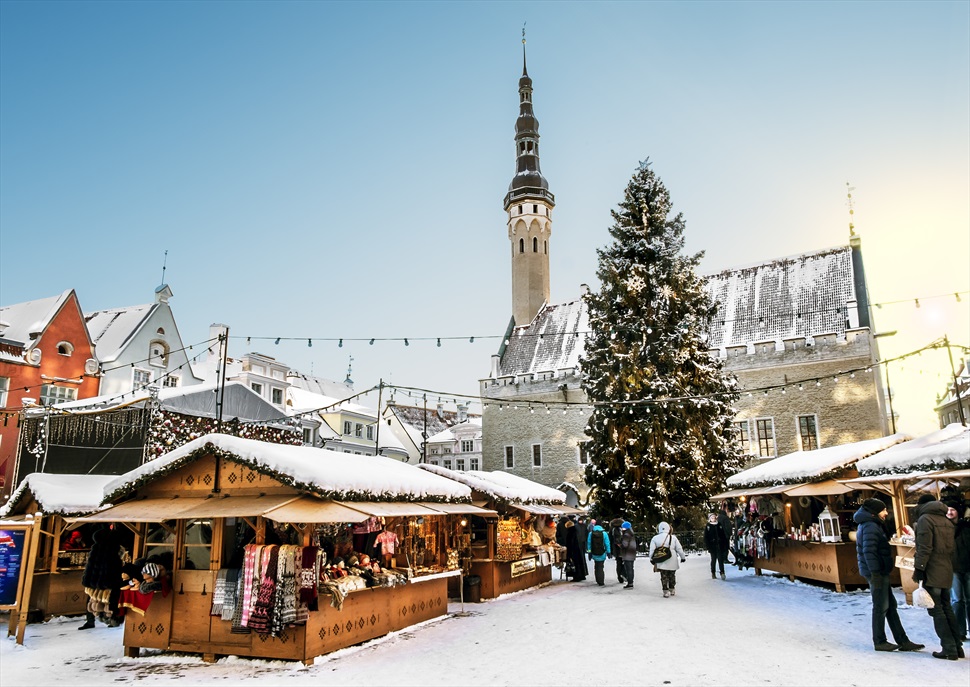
(158, 354)
(522, 245)
(160, 331)
(65, 348)
(535, 245)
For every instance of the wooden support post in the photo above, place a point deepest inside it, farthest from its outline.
(18, 616)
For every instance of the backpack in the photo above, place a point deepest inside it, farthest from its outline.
(597, 546)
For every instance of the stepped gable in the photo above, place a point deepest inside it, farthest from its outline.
(797, 296)
(554, 340)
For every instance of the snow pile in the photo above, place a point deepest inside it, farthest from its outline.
(945, 448)
(327, 473)
(60, 494)
(501, 486)
(803, 466)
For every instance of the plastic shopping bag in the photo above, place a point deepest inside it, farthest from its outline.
(922, 598)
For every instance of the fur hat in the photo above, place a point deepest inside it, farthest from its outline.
(874, 506)
(150, 570)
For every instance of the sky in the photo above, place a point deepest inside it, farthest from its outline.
(794, 634)
(327, 171)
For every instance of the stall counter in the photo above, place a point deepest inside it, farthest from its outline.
(834, 564)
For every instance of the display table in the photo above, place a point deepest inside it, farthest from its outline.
(501, 577)
(834, 564)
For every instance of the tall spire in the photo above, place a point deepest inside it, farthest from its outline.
(525, 72)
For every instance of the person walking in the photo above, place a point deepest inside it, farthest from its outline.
(616, 532)
(598, 547)
(934, 568)
(876, 561)
(716, 543)
(627, 552)
(102, 579)
(725, 521)
(959, 515)
(668, 568)
(575, 552)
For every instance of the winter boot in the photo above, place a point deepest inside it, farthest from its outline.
(910, 646)
(885, 646)
(629, 585)
(88, 622)
(673, 592)
(723, 577)
(948, 657)
(713, 576)
(666, 594)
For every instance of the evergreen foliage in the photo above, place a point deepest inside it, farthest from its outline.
(653, 458)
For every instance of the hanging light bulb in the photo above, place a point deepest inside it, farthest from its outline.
(407, 343)
(564, 411)
(341, 344)
(836, 378)
(277, 341)
(371, 342)
(471, 339)
(248, 339)
(439, 342)
(531, 410)
(917, 302)
(309, 343)
(547, 410)
(818, 383)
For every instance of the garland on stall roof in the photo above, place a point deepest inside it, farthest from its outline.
(947, 464)
(171, 430)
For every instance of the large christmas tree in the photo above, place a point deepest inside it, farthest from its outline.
(661, 432)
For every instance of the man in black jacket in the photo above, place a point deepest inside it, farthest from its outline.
(934, 568)
(875, 564)
(959, 514)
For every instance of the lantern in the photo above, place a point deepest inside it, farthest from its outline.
(828, 523)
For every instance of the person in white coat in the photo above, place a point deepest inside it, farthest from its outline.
(668, 568)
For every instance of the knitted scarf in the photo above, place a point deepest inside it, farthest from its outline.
(261, 616)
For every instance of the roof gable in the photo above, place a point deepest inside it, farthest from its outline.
(112, 329)
(32, 317)
(554, 340)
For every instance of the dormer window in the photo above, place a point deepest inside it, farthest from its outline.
(158, 354)
(65, 348)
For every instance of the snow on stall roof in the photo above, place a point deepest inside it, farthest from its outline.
(945, 447)
(333, 474)
(61, 494)
(500, 485)
(810, 465)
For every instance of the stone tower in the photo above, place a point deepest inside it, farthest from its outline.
(529, 206)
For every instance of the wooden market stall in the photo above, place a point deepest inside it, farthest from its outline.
(934, 463)
(268, 547)
(62, 552)
(507, 551)
(796, 514)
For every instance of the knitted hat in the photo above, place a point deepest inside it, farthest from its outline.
(150, 570)
(925, 498)
(874, 506)
(626, 526)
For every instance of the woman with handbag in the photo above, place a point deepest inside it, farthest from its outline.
(666, 554)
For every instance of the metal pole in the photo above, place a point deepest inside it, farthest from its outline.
(424, 434)
(377, 438)
(956, 382)
(889, 394)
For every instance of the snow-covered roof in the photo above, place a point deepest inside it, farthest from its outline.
(319, 385)
(327, 473)
(945, 448)
(415, 419)
(449, 434)
(308, 400)
(501, 486)
(111, 329)
(554, 340)
(812, 466)
(60, 494)
(788, 297)
(24, 319)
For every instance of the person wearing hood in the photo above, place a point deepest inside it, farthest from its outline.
(598, 547)
(876, 563)
(616, 531)
(934, 568)
(668, 568)
(574, 551)
(627, 552)
(102, 579)
(716, 542)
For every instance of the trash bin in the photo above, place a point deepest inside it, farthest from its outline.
(473, 589)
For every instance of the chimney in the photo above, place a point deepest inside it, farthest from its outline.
(495, 362)
(462, 412)
(215, 331)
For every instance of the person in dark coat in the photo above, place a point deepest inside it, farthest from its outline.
(627, 552)
(934, 568)
(575, 553)
(716, 543)
(876, 561)
(959, 515)
(616, 532)
(582, 531)
(561, 531)
(102, 579)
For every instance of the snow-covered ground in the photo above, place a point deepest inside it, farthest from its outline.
(747, 630)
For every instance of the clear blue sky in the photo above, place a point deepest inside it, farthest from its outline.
(337, 170)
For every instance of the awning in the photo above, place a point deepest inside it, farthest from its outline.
(567, 510)
(235, 506)
(312, 510)
(143, 510)
(460, 509)
(733, 493)
(536, 508)
(827, 487)
(389, 509)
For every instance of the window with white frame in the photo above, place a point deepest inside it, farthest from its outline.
(308, 435)
(278, 396)
(460, 464)
(51, 394)
(65, 348)
(140, 378)
(743, 436)
(257, 387)
(347, 428)
(808, 432)
(370, 432)
(171, 381)
(158, 354)
(537, 455)
(448, 463)
(358, 430)
(509, 457)
(766, 436)
(4, 389)
(467, 445)
(475, 464)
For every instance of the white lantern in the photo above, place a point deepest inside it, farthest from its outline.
(828, 523)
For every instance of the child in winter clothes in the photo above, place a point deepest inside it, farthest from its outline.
(668, 568)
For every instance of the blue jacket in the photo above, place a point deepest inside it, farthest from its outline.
(872, 545)
(606, 542)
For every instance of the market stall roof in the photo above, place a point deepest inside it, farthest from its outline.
(804, 466)
(536, 508)
(501, 485)
(390, 509)
(945, 448)
(328, 474)
(829, 487)
(142, 510)
(461, 509)
(235, 506)
(308, 509)
(60, 494)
